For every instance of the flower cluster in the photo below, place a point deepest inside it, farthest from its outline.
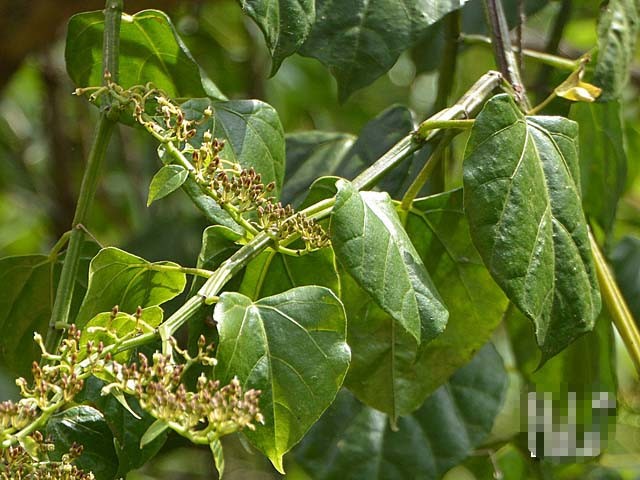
(240, 191)
(202, 415)
(210, 411)
(18, 464)
(57, 380)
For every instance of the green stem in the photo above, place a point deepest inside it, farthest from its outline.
(503, 50)
(469, 103)
(104, 129)
(554, 61)
(111, 46)
(208, 293)
(616, 305)
(198, 272)
(66, 284)
(423, 175)
(542, 104)
(425, 127)
(59, 245)
(212, 287)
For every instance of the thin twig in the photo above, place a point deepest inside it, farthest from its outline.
(503, 50)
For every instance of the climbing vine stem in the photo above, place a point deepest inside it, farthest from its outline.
(104, 130)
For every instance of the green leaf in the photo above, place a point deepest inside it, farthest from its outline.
(120, 278)
(272, 273)
(439, 230)
(168, 179)
(311, 155)
(85, 426)
(617, 34)
(473, 21)
(385, 372)
(523, 204)
(572, 378)
(375, 139)
(292, 347)
(127, 429)
(26, 298)
(625, 260)
(603, 161)
(218, 456)
(150, 51)
(371, 243)
(585, 366)
(156, 429)
(389, 370)
(208, 206)
(314, 154)
(284, 23)
(356, 442)
(252, 133)
(121, 325)
(360, 40)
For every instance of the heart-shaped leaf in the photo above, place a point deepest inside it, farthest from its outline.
(522, 199)
(150, 51)
(292, 347)
(168, 179)
(120, 278)
(371, 243)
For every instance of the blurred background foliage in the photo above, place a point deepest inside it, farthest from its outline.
(45, 134)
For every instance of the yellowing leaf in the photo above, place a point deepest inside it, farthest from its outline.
(574, 89)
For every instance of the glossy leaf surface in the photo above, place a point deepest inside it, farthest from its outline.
(371, 244)
(85, 426)
(292, 347)
(522, 199)
(168, 179)
(251, 130)
(150, 51)
(617, 35)
(284, 23)
(120, 278)
(360, 40)
(356, 442)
